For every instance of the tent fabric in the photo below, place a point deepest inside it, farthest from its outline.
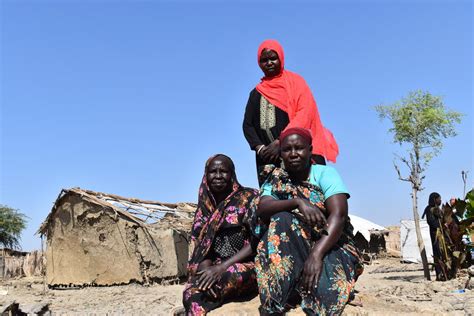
(409, 244)
(364, 226)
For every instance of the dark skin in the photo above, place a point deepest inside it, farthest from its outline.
(219, 179)
(271, 66)
(296, 154)
(270, 63)
(438, 212)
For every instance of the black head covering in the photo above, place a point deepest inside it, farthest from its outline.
(431, 202)
(432, 199)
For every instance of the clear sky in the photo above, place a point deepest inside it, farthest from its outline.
(131, 97)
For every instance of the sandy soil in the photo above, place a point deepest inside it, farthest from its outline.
(387, 287)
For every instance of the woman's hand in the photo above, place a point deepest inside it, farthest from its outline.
(209, 276)
(311, 273)
(206, 263)
(312, 214)
(271, 153)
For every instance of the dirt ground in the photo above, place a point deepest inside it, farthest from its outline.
(387, 287)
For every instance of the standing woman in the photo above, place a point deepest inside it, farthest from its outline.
(221, 266)
(432, 213)
(282, 100)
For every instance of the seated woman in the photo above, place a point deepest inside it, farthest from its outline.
(306, 256)
(221, 266)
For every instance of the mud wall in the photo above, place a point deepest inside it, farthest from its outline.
(392, 240)
(12, 266)
(171, 250)
(34, 264)
(89, 244)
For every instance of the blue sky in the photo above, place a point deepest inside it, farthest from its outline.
(131, 97)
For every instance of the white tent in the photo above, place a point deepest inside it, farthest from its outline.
(409, 244)
(364, 226)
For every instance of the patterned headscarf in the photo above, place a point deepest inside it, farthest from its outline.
(209, 217)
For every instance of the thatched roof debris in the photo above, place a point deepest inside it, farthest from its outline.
(143, 212)
(12, 252)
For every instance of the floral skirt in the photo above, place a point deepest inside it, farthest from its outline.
(281, 255)
(237, 282)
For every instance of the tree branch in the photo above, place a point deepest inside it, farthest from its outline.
(405, 161)
(399, 174)
(410, 166)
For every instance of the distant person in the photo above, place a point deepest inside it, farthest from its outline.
(306, 254)
(433, 215)
(280, 101)
(457, 216)
(452, 202)
(221, 266)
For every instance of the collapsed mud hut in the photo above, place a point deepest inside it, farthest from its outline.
(15, 263)
(94, 238)
(368, 236)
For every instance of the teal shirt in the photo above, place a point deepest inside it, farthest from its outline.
(325, 177)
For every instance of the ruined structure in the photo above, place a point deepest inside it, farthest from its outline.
(15, 263)
(368, 236)
(392, 241)
(94, 238)
(11, 263)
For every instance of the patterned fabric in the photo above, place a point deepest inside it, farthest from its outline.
(226, 226)
(229, 242)
(284, 247)
(449, 252)
(238, 281)
(210, 218)
(267, 117)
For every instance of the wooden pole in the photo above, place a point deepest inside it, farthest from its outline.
(419, 237)
(3, 260)
(42, 262)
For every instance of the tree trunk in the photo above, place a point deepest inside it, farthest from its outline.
(421, 244)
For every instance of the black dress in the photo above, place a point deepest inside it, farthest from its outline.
(432, 219)
(263, 123)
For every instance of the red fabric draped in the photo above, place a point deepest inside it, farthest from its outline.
(290, 92)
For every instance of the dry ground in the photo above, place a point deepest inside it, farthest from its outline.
(387, 287)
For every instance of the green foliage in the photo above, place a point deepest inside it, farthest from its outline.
(469, 199)
(12, 222)
(421, 120)
(465, 211)
(465, 207)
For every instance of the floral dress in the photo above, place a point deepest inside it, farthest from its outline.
(286, 243)
(218, 233)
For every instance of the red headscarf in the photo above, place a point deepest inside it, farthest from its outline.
(303, 132)
(289, 92)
